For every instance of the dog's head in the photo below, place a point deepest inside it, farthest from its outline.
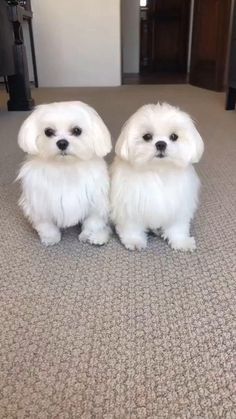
(160, 133)
(62, 129)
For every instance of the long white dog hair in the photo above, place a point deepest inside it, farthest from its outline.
(65, 179)
(154, 185)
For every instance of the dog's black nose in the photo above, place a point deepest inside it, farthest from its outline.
(161, 145)
(62, 144)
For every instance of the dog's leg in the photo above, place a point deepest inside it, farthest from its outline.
(95, 230)
(132, 236)
(48, 232)
(178, 236)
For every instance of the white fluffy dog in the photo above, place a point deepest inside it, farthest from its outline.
(154, 185)
(65, 179)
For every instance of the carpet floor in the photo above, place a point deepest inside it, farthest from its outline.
(88, 332)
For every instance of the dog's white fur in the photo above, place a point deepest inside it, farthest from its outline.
(61, 189)
(149, 192)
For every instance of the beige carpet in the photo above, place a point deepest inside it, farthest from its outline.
(91, 332)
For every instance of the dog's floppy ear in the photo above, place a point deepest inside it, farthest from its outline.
(197, 145)
(122, 145)
(101, 135)
(28, 134)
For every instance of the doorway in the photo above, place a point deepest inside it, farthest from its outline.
(160, 41)
(176, 41)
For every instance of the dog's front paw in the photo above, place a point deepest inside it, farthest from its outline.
(98, 237)
(49, 233)
(186, 244)
(132, 237)
(50, 240)
(135, 243)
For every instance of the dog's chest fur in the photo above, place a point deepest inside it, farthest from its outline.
(153, 198)
(64, 194)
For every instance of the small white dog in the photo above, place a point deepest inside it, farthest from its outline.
(154, 185)
(65, 179)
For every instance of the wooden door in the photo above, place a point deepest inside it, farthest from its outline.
(164, 35)
(209, 43)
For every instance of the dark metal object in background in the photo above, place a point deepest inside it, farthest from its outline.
(13, 60)
(18, 83)
(6, 42)
(231, 81)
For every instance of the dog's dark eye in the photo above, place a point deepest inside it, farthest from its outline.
(76, 131)
(147, 137)
(49, 132)
(174, 137)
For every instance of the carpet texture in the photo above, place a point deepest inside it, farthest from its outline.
(90, 332)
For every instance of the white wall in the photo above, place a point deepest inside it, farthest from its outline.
(77, 42)
(130, 35)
